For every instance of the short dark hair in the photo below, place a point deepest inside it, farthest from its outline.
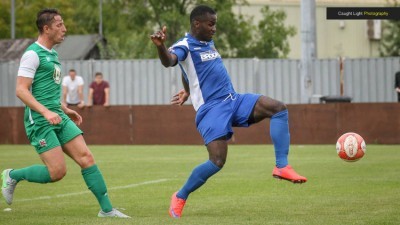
(98, 74)
(200, 11)
(45, 17)
(72, 70)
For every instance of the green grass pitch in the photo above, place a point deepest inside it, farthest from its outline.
(141, 180)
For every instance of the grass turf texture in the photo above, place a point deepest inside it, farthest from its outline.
(244, 192)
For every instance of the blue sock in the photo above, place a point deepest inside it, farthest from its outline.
(279, 129)
(199, 176)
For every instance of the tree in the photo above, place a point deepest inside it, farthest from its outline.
(25, 16)
(127, 25)
(128, 33)
(270, 39)
(5, 18)
(390, 43)
(234, 32)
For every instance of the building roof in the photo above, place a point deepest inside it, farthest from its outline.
(12, 49)
(74, 47)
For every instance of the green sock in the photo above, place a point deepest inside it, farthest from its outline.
(95, 182)
(35, 173)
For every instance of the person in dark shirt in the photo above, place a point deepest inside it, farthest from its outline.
(397, 85)
(99, 91)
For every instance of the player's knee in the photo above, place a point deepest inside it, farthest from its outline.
(87, 160)
(220, 162)
(58, 173)
(267, 107)
(280, 106)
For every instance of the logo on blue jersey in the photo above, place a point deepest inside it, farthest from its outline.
(209, 55)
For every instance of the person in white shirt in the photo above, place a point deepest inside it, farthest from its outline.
(73, 89)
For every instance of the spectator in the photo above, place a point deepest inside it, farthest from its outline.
(73, 89)
(99, 92)
(397, 85)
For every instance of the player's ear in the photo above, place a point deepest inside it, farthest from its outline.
(196, 23)
(45, 28)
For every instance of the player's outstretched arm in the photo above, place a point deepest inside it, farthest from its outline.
(158, 38)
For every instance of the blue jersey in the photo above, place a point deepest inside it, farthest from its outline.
(203, 69)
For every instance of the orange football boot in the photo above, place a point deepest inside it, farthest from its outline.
(288, 173)
(176, 207)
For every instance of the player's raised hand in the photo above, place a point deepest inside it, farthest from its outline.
(159, 37)
(180, 98)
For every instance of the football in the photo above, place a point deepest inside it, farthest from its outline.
(350, 147)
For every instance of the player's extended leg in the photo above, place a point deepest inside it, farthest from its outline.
(53, 170)
(80, 153)
(279, 129)
(217, 151)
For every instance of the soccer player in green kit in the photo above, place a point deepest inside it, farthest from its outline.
(51, 127)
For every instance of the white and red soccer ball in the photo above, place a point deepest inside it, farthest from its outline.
(350, 147)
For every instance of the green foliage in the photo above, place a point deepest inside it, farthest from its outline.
(233, 31)
(5, 18)
(271, 36)
(390, 43)
(170, 13)
(127, 25)
(25, 16)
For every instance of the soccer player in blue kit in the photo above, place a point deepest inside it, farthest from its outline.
(218, 106)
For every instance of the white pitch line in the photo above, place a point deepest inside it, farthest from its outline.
(86, 192)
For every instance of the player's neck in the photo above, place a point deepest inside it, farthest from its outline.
(196, 36)
(45, 42)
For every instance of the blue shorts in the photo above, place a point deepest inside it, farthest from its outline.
(216, 118)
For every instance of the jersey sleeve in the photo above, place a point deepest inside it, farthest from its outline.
(80, 81)
(29, 64)
(179, 51)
